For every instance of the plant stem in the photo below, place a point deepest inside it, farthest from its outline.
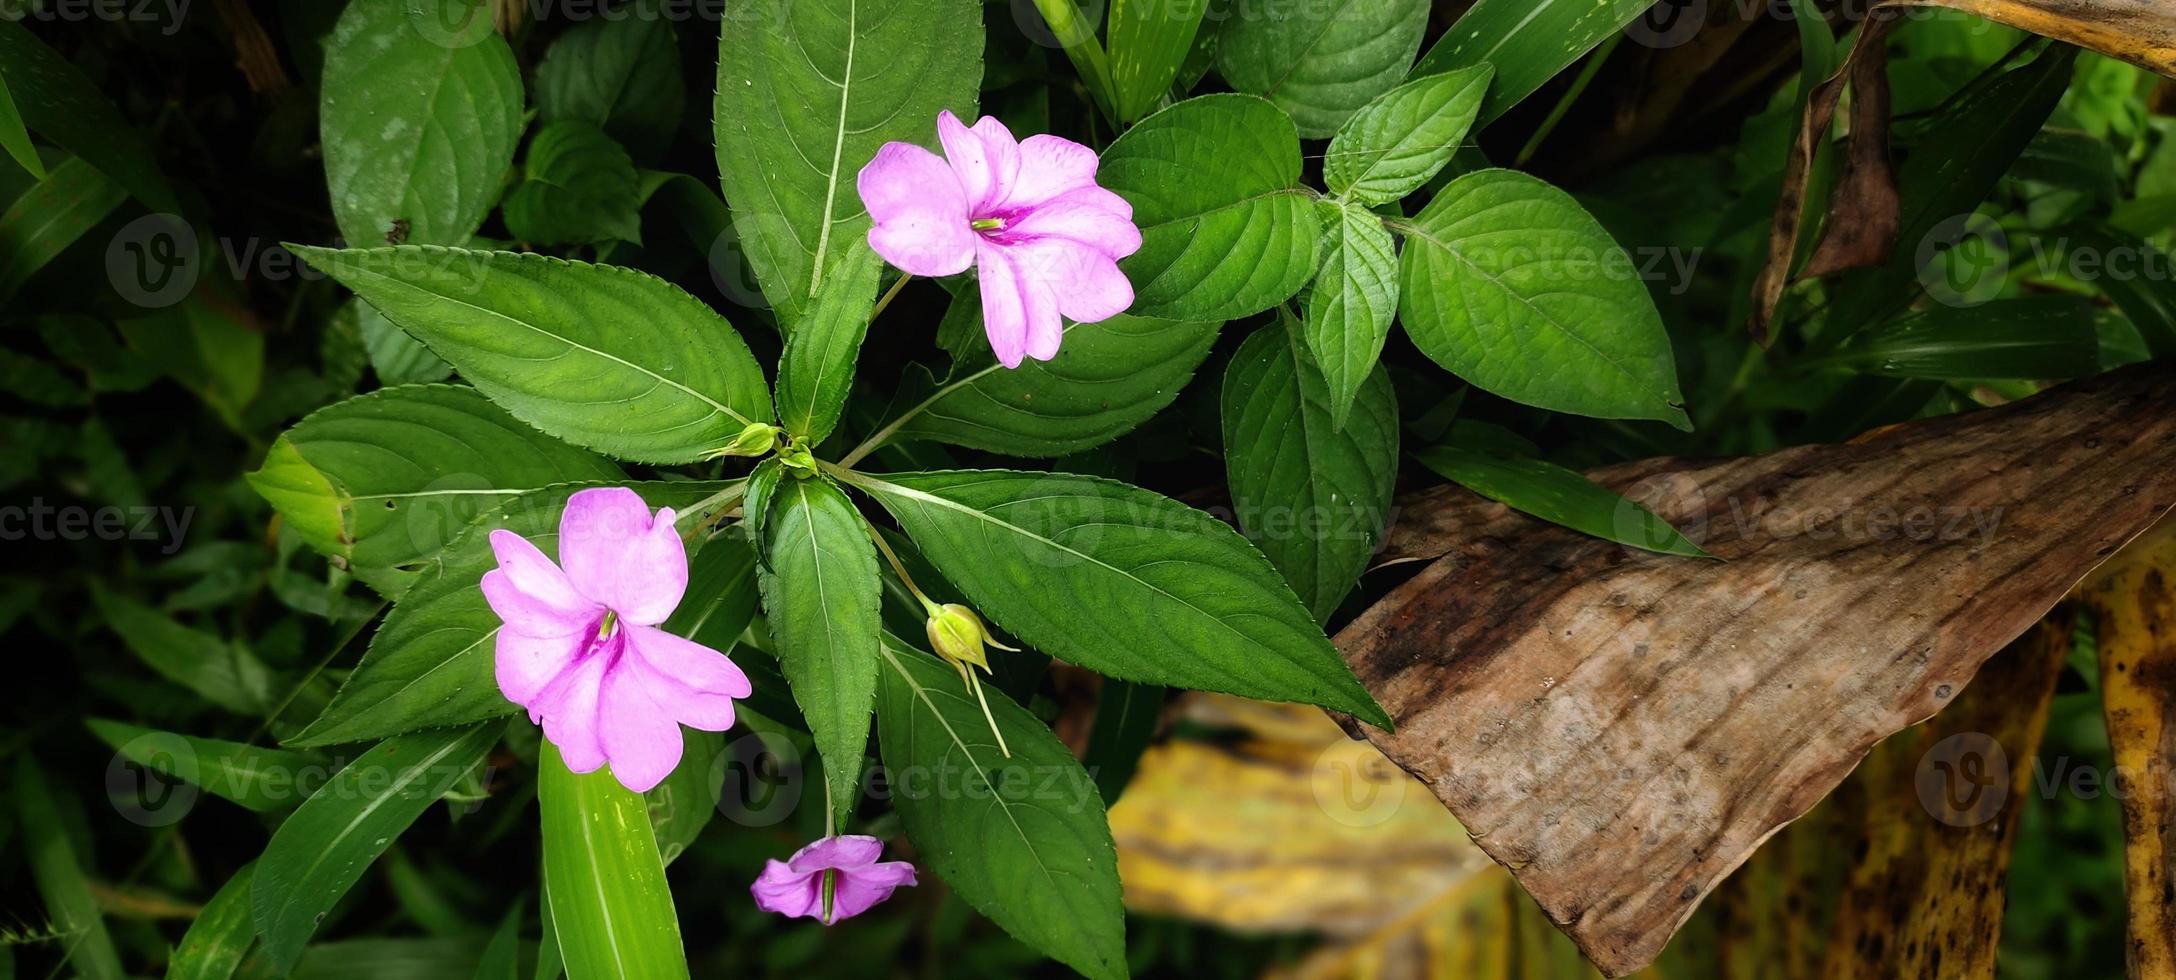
(1563, 105)
(886, 299)
(1079, 39)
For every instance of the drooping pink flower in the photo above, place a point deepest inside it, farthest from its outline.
(580, 647)
(847, 864)
(1027, 214)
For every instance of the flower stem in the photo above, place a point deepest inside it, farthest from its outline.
(886, 299)
(899, 567)
(974, 685)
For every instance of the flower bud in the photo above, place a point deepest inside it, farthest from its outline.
(758, 439)
(958, 635)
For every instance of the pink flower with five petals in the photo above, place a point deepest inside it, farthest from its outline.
(1043, 237)
(580, 647)
(848, 864)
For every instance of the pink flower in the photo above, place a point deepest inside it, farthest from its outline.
(581, 648)
(1027, 215)
(848, 864)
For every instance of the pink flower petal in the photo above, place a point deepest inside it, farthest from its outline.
(568, 708)
(1019, 309)
(857, 890)
(616, 553)
(640, 739)
(1092, 288)
(1050, 166)
(525, 665)
(842, 851)
(690, 682)
(1085, 217)
(531, 593)
(789, 893)
(919, 210)
(986, 158)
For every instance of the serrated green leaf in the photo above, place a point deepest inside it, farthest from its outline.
(388, 478)
(398, 358)
(326, 845)
(1149, 41)
(611, 908)
(221, 935)
(821, 596)
(604, 357)
(807, 92)
(220, 672)
(1226, 228)
(621, 73)
(1121, 581)
(1551, 492)
(15, 137)
(86, 946)
(1108, 378)
(430, 663)
(816, 372)
(577, 187)
(1023, 838)
(1395, 144)
(2034, 338)
(262, 779)
(49, 217)
(419, 118)
(1508, 283)
(1349, 309)
(1312, 495)
(1527, 42)
(58, 103)
(1321, 61)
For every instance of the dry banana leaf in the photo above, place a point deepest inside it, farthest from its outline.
(1621, 729)
(2134, 600)
(2142, 32)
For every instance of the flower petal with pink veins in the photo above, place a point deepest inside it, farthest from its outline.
(525, 665)
(689, 681)
(641, 739)
(919, 211)
(529, 591)
(1050, 166)
(1082, 216)
(615, 552)
(986, 158)
(779, 889)
(1019, 308)
(568, 709)
(856, 891)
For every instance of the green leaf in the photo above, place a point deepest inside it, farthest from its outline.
(816, 372)
(1108, 378)
(262, 779)
(1126, 719)
(1313, 496)
(502, 958)
(807, 92)
(85, 945)
(218, 671)
(14, 137)
(1395, 144)
(57, 102)
(1023, 838)
(1552, 493)
(619, 72)
(1321, 61)
(1511, 285)
(682, 805)
(2148, 299)
(604, 357)
(1526, 41)
(326, 845)
(721, 596)
(821, 596)
(2035, 338)
(1149, 41)
(430, 662)
(1226, 228)
(1349, 310)
(51, 216)
(1121, 581)
(429, 958)
(577, 188)
(221, 935)
(397, 358)
(388, 478)
(419, 118)
(610, 905)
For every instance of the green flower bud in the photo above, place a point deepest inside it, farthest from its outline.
(958, 635)
(758, 439)
(797, 460)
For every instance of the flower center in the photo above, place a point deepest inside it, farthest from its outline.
(987, 224)
(604, 626)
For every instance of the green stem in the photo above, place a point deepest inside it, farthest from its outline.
(886, 299)
(1079, 40)
(1563, 105)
